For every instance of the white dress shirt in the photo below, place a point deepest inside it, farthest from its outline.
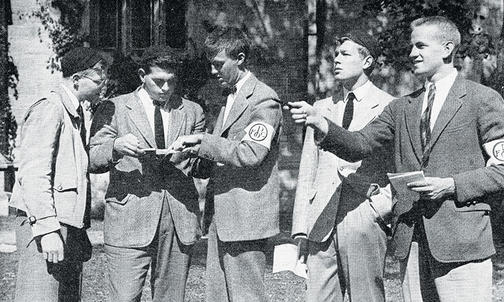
(443, 87)
(149, 108)
(231, 97)
(359, 93)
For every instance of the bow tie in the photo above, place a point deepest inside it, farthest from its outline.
(158, 103)
(229, 90)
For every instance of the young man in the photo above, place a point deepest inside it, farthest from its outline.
(346, 230)
(151, 212)
(52, 193)
(452, 130)
(242, 153)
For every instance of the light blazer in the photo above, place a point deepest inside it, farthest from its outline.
(457, 228)
(244, 186)
(51, 183)
(138, 186)
(323, 175)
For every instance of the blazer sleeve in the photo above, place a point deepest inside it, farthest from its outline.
(478, 183)
(103, 134)
(39, 141)
(244, 153)
(306, 178)
(356, 145)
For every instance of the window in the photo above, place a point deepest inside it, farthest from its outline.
(132, 25)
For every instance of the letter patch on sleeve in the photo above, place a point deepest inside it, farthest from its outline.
(495, 152)
(259, 132)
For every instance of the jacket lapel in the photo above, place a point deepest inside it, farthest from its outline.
(218, 123)
(176, 120)
(139, 118)
(449, 109)
(413, 113)
(67, 103)
(240, 103)
(371, 108)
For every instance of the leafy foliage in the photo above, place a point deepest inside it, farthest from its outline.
(396, 15)
(64, 31)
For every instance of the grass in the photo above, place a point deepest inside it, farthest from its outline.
(283, 286)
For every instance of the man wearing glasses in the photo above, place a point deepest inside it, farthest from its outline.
(151, 212)
(52, 192)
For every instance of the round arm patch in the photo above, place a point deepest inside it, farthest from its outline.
(495, 152)
(259, 132)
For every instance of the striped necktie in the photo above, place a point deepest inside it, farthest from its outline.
(425, 130)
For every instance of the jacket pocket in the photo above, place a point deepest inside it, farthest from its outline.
(472, 207)
(122, 201)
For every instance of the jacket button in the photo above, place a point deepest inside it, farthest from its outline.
(468, 203)
(59, 187)
(474, 202)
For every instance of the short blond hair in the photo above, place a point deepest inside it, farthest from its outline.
(447, 30)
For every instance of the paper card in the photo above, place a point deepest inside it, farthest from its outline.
(285, 259)
(399, 182)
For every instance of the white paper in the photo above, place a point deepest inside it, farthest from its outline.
(285, 259)
(399, 182)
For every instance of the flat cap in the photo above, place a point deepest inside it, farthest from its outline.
(79, 59)
(365, 40)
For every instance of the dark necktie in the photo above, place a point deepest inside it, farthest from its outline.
(349, 109)
(82, 130)
(82, 127)
(425, 130)
(158, 127)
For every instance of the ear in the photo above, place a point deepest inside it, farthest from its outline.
(241, 58)
(367, 62)
(141, 74)
(448, 49)
(75, 80)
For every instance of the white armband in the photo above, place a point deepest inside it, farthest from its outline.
(495, 152)
(259, 132)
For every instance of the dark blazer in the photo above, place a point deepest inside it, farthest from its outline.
(458, 228)
(244, 186)
(138, 186)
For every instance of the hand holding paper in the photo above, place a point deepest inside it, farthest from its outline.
(414, 185)
(187, 143)
(433, 188)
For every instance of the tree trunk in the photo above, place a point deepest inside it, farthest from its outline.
(4, 91)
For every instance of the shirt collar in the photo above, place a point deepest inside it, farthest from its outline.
(242, 81)
(71, 96)
(360, 91)
(446, 81)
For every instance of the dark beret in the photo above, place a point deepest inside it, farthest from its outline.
(363, 39)
(79, 59)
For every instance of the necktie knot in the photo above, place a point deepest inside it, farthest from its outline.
(158, 103)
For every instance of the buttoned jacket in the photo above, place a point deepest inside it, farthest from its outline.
(139, 186)
(244, 186)
(457, 227)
